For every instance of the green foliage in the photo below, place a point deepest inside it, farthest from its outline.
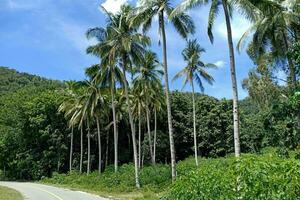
(152, 178)
(11, 80)
(260, 177)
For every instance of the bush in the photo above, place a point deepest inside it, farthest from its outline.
(267, 177)
(153, 178)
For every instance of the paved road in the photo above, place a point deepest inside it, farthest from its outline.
(34, 191)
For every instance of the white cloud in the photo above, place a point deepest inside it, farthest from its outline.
(113, 6)
(220, 63)
(239, 26)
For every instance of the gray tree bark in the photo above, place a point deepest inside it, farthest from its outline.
(81, 149)
(115, 125)
(155, 135)
(99, 146)
(236, 126)
(169, 114)
(89, 148)
(135, 157)
(71, 148)
(194, 126)
(140, 135)
(149, 136)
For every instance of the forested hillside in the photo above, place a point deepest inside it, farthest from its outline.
(11, 80)
(34, 139)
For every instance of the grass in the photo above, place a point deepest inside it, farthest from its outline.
(9, 194)
(270, 168)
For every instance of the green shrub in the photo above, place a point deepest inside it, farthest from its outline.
(266, 177)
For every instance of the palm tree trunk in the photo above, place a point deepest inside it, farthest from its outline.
(236, 122)
(106, 151)
(99, 146)
(115, 125)
(149, 135)
(71, 148)
(171, 137)
(155, 132)
(89, 148)
(140, 135)
(81, 149)
(194, 125)
(135, 157)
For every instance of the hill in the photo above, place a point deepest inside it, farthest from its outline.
(12, 80)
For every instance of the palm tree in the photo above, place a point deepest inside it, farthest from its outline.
(96, 105)
(107, 74)
(84, 114)
(143, 15)
(137, 111)
(195, 70)
(148, 76)
(276, 26)
(249, 10)
(158, 104)
(124, 45)
(76, 118)
(73, 107)
(67, 108)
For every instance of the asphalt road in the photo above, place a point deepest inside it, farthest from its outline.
(34, 191)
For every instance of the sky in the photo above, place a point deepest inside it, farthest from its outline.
(47, 38)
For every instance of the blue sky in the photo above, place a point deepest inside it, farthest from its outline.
(47, 38)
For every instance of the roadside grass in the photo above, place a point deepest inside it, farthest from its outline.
(260, 174)
(9, 194)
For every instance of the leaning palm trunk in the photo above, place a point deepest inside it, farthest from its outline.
(171, 137)
(135, 157)
(155, 132)
(194, 124)
(140, 135)
(236, 127)
(149, 136)
(115, 125)
(81, 149)
(99, 146)
(71, 148)
(89, 148)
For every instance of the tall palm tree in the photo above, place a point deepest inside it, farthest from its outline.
(124, 45)
(158, 104)
(84, 114)
(143, 15)
(228, 6)
(67, 108)
(73, 107)
(148, 76)
(76, 118)
(138, 112)
(96, 105)
(195, 70)
(107, 74)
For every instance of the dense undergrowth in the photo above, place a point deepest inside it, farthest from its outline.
(274, 174)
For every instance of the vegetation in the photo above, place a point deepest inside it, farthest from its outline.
(124, 113)
(270, 175)
(9, 194)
